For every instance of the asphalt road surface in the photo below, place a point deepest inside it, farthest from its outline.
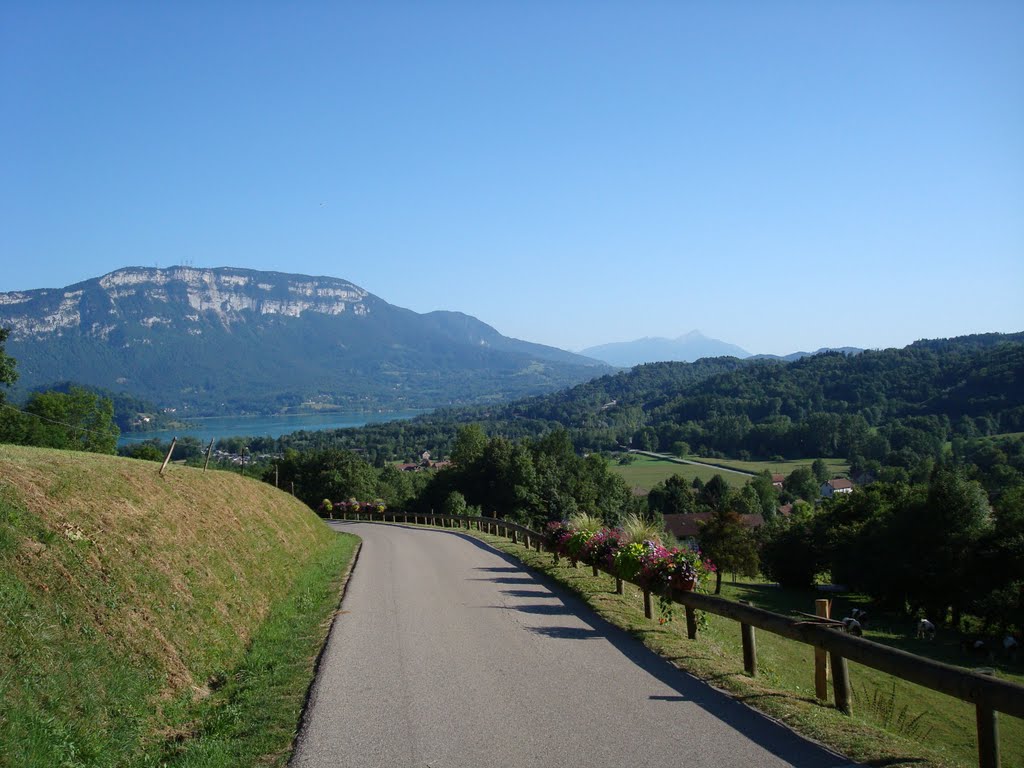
(448, 654)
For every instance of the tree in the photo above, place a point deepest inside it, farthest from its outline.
(767, 493)
(455, 504)
(148, 451)
(955, 519)
(469, 445)
(78, 420)
(801, 484)
(328, 474)
(671, 496)
(730, 545)
(821, 471)
(791, 555)
(714, 493)
(646, 439)
(11, 427)
(8, 373)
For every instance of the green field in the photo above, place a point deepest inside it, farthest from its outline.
(837, 466)
(646, 471)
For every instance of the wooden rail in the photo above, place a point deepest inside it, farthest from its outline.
(988, 694)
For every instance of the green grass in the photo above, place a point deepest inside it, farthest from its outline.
(645, 472)
(126, 598)
(892, 724)
(253, 718)
(837, 466)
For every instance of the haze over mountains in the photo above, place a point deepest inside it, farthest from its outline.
(234, 340)
(684, 349)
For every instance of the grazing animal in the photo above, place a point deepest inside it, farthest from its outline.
(860, 615)
(977, 646)
(853, 626)
(925, 630)
(1010, 646)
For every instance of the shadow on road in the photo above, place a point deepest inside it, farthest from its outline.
(566, 633)
(771, 735)
(528, 593)
(542, 609)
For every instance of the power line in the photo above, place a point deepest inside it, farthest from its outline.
(74, 426)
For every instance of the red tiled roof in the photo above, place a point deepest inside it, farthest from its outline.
(839, 483)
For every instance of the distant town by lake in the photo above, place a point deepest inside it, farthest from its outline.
(217, 427)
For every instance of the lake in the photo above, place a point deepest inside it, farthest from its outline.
(217, 427)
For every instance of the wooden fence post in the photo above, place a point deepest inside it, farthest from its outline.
(822, 608)
(515, 536)
(618, 586)
(749, 649)
(168, 457)
(841, 684)
(691, 623)
(209, 451)
(538, 542)
(594, 569)
(988, 732)
(647, 604)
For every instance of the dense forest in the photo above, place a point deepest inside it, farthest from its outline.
(894, 407)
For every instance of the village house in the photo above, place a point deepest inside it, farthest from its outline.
(836, 485)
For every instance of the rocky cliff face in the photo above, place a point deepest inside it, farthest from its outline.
(236, 340)
(174, 296)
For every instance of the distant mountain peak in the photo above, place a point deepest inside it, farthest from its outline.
(688, 347)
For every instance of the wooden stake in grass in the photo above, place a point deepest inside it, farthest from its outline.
(822, 608)
(168, 457)
(209, 452)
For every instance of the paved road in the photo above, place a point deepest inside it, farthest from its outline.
(447, 654)
(677, 460)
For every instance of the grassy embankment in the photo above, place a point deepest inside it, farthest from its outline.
(646, 471)
(155, 620)
(894, 722)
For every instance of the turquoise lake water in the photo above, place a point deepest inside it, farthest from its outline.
(269, 426)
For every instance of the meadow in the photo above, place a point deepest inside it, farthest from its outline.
(646, 471)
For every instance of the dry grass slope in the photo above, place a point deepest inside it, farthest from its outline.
(126, 596)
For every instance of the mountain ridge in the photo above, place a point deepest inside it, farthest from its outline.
(686, 348)
(229, 340)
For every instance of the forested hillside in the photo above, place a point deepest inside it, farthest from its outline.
(894, 407)
(226, 341)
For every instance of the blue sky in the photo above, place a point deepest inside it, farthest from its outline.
(780, 175)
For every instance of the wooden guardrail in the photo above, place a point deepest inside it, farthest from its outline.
(988, 694)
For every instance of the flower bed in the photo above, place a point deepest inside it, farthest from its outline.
(647, 564)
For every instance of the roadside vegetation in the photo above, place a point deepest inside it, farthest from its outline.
(144, 614)
(893, 722)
